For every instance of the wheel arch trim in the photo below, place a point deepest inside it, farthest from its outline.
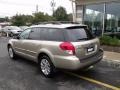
(48, 53)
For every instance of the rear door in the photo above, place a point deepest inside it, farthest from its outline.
(85, 43)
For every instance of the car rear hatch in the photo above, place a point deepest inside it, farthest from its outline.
(85, 49)
(84, 42)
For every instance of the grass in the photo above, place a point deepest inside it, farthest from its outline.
(107, 40)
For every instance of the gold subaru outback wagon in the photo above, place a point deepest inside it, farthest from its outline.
(52, 46)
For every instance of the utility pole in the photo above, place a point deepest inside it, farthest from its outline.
(104, 17)
(36, 8)
(53, 6)
(73, 10)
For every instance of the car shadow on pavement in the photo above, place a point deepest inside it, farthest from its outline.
(32, 64)
(62, 81)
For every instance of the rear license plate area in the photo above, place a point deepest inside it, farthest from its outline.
(90, 49)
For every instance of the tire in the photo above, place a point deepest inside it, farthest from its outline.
(88, 68)
(46, 66)
(11, 53)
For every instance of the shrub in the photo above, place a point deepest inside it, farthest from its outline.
(107, 40)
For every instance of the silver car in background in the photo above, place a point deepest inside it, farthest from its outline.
(64, 46)
(12, 30)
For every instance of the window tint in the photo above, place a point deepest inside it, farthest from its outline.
(77, 34)
(52, 34)
(35, 34)
(44, 34)
(25, 34)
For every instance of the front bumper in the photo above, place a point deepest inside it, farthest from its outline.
(73, 63)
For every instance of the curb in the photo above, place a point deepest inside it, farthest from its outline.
(112, 63)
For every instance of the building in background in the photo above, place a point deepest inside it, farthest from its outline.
(102, 16)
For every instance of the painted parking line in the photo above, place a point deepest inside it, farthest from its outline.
(93, 81)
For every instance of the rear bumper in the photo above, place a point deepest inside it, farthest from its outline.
(92, 60)
(73, 63)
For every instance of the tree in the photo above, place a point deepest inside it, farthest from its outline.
(18, 20)
(6, 19)
(21, 20)
(28, 19)
(60, 14)
(40, 17)
(70, 17)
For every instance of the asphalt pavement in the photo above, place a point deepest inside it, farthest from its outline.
(22, 74)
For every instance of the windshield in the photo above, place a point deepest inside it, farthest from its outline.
(77, 34)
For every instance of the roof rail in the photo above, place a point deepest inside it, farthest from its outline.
(58, 22)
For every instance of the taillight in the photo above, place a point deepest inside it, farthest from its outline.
(68, 47)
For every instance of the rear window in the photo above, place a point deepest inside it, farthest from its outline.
(78, 34)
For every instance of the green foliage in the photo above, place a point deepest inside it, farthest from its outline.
(107, 40)
(21, 20)
(60, 14)
(41, 17)
(28, 19)
(70, 17)
(18, 20)
(6, 19)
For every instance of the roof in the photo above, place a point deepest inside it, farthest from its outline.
(58, 25)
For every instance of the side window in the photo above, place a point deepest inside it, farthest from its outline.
(25, 34)
(52, 34)
(44, 34)
(55, 35)
(35, 34)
